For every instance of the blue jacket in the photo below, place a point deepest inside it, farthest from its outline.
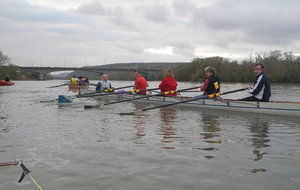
(261, 89)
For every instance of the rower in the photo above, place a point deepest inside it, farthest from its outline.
(104, 84)
(211, 83)
(168, 84)
(140, 82)
(74, 80)
(261, 91)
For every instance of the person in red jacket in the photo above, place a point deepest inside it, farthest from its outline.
(140, 82)
(168, 83)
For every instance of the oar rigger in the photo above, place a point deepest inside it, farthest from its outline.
(25, 171)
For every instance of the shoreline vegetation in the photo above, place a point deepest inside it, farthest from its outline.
(279, 67)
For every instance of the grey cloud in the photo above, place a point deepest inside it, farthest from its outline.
(183, 7)
(114, 14)
(156, 13)
(95, 8)
(24, 11)
(269, 21)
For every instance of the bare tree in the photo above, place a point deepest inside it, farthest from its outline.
(4, 59)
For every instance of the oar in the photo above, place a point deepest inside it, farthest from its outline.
(131, 91)
(197, 98)
(190, 100)
(13, 163)
(58, 85)
(64, 99)
(147, 96)
(111, 92)
(107, 90)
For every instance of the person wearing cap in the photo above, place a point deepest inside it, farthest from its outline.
(168, 84)
(140, 82)
(211, 84)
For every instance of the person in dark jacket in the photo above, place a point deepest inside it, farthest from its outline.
(7, 79)
(211, 84)
(261, 90)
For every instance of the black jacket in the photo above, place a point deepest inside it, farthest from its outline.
(262, 88)
(211, 89)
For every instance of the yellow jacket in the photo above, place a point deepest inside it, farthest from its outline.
(74, 81)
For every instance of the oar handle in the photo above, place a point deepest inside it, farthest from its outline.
(232, 91)
(123, 87)
(182, 90)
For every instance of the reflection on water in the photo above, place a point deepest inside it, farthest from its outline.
(211, 127)
(167, 117)
(139, 123)
(259, 129)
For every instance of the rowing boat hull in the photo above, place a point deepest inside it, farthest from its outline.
(4, 83)
(271, 108)
(76, 88)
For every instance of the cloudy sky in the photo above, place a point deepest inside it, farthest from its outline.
(96, 32)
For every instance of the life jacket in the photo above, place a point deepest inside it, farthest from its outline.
(213, 86)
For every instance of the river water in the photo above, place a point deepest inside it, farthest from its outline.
(67, 147)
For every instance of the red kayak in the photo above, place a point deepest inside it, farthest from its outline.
(4, 83)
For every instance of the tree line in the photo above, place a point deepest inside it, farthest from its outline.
(279, 67)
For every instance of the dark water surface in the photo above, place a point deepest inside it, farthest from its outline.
(67, 147)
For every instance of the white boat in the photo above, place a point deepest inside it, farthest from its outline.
(272, 108)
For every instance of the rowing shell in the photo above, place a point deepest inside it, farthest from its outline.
(272, 108)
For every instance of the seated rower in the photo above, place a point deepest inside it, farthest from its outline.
(104, 84)
(168, 83)
(140, 82)
(261, 91)
(211, 83)
(74, 80)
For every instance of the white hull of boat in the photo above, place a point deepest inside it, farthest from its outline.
(271, 108)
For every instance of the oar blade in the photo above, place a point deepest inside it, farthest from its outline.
(63, 99)
(86, 107)
(127, 113)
